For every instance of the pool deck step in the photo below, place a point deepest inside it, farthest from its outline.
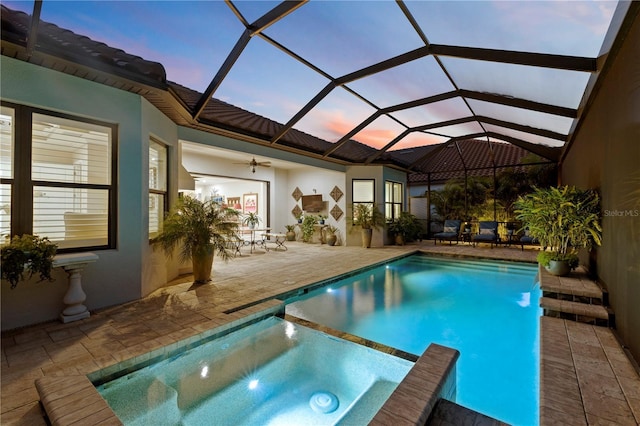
(575, 297)
(576, 311)
(576, 287)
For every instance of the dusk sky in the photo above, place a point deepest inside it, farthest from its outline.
(192, 39)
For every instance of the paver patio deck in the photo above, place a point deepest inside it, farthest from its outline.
(113, 335)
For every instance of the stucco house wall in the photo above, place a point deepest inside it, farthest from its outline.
(605, 155)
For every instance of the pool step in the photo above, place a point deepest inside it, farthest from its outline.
(577, 311)
(575, 297)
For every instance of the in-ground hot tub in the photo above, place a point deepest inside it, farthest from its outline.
(269, 373)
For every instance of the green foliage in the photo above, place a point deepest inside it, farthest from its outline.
(563, 219)
(198, 227)
(449, 203)
(332, 229)
(544, 257)
(290, 228)
(366, 216)
(407, 225)
(308, 227)
(251, 219)
(27, 254)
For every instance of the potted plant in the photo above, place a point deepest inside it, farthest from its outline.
(405, 228)
(291, 232)
(308, 227)
(564, 220)
(299, 217)
(27, 254)
(332, 237)
(201, 229)
(251, 220)
(321, 218)
(368, 218)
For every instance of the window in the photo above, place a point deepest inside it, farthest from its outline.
(392, 200)
(157, 186)
(57, 178)
(363, 192)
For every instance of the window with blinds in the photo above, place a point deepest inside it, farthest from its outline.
(363, 192)
(7, 121)
(393, 200)
(157, 186)
(63, 187)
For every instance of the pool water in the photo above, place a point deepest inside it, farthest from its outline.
(485, 309)
(272, 372)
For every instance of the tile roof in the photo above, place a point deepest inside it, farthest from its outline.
(478, 156)
(67, 45)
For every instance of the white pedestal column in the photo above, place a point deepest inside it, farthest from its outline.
(73, 264)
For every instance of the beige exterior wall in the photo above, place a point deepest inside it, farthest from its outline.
(606, 155)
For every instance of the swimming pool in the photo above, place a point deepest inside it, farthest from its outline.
(487, 310)
(273, 372)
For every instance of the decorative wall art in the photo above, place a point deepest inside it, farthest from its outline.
(250, 203)
(336, 194)
(296, 194)
(336, 212)
(297, 211)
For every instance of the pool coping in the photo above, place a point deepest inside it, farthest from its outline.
(69, 400)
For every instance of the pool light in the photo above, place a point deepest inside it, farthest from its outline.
(204, 372)
(253, 384)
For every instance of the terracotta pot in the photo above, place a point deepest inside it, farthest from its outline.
(366, 237)
(558, 267)
(291, 236)
(202, 266)
(399, 240)
(332, 239)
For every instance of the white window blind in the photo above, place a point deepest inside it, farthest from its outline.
(157, 186)
(363, 191)
(71, 170)
(7, 121)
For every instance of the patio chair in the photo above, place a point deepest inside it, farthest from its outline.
(528, 239)
(450, 232)
(488, 233)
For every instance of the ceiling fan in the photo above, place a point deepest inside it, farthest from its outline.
(253, 164)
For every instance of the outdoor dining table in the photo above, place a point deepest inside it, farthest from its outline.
(252, 232)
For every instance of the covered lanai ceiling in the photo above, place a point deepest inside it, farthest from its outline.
(357, 82)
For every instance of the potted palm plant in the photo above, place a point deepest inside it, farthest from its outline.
(564, 220)
(291, 232)
(251, 220)
(27, 254)
(200, 229)
(405, 228)
(332, 235)
(368, 218)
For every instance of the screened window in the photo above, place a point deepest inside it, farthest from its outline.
(59, 184)
(363, 192)
(393, 195)
(157, 186)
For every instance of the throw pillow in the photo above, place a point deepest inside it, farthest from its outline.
(487, 231)
(449, 229)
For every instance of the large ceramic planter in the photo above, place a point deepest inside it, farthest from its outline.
(366, 237)
(291, 236)
(202, 266)
(332, 239)
(399, 240)
(558, 268)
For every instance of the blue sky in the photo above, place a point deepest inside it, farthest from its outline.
(192, 39)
